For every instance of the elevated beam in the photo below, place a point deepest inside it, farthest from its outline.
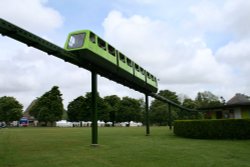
(165, 100)
(19, 34)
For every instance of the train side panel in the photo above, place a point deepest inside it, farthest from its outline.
(125, 63)
(139, 72)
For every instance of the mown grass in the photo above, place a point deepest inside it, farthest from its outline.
(119, 147)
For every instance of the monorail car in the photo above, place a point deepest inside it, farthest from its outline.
(89, 47)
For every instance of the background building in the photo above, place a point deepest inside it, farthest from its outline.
(236, 108)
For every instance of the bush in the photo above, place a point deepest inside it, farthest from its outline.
(213, 129)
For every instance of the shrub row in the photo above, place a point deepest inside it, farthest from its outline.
(213, 129)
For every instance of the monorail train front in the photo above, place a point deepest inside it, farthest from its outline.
(75, 41)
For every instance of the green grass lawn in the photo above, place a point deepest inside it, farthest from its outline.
(119, 147)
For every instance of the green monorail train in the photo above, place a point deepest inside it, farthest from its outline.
(87, 46)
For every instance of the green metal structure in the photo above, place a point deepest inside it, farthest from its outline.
(87, 46)
(86, 50)
(147, 115)
(94, 109)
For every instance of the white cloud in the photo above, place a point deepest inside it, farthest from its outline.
(226, 69)
(30, 70)
(141, 2)
(178, 54)
(236, 54)
(144, 1)
(231, 16)
(154, 45)
(141, 38)
(237, 14)
(26, 72)
(182, 63)
(33, 15)
(207, 16)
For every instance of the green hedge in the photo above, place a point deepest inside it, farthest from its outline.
(213, 129)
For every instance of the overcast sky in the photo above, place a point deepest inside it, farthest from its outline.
(190, 45)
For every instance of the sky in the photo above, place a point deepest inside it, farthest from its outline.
(190, 46)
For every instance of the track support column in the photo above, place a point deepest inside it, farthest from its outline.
(147, 116)
(94, 109)
(169, 117)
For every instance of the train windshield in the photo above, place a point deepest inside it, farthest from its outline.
(76, 41)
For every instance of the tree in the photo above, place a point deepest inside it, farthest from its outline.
(102, 107)
(10, 109)
(76, 109)
(207, 99)
(65, 115)
(49, 107)
(129, 110)
(80, 109)
(191, 104)
(159, 113)
(113, 103)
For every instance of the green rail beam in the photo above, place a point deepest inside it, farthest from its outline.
(19, 34)
(163, 99)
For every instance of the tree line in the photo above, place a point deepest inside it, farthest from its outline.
(160, 114)
(109, 109)
(49, 108)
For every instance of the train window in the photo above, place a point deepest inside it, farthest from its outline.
(76, 40)
(92, 37)
(111, 50)
(137, 67)
(129, 62)
(122, 58)
(149, 75)
(142, 71)
(101, 44)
